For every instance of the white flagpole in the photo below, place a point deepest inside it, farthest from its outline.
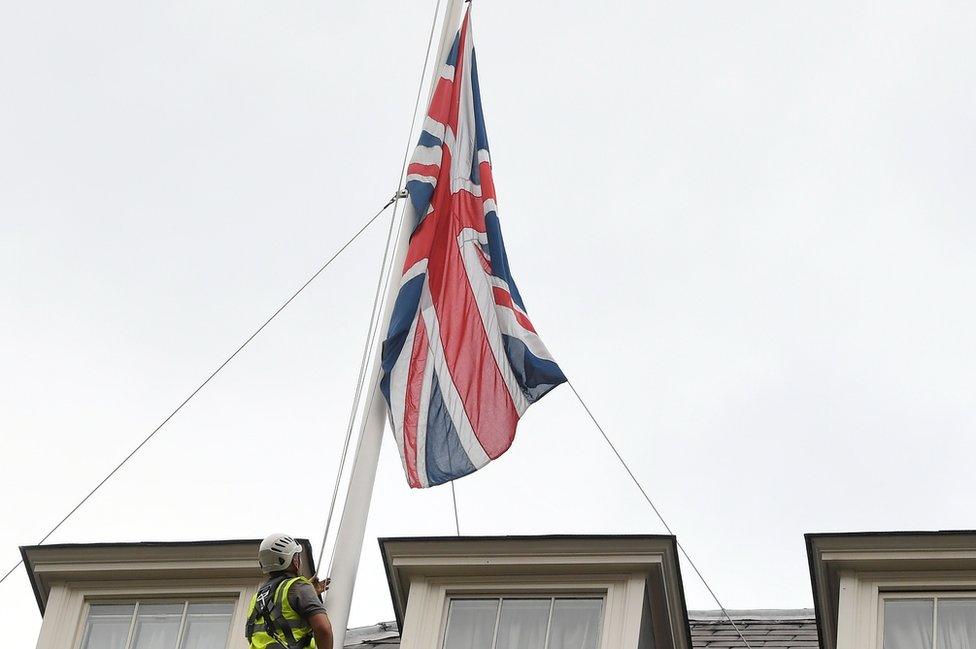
(352, 525)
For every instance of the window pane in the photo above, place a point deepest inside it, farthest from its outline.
(471, 623)
(109, 632)
(908, 624)
(157, 626)
(522, 624)
(99, 610)
(218, 608)
(151, 610)
(575, 624)
(957, 623)
(207, 626)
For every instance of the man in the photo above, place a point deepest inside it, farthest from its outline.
(287, 612)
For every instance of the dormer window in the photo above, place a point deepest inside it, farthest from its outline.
(524, 623)
(895, 590)
(560, 592)
(168, 595)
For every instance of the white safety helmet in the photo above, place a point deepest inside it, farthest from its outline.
(276, 552)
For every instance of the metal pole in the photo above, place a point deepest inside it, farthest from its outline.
(355, 511)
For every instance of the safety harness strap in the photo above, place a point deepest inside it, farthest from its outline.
(279, 612)
(265, 605)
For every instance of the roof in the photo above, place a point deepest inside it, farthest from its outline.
(775, 628)
(769, 629)
(38, 559)
(384, 635)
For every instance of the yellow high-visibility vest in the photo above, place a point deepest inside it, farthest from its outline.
(281, 627)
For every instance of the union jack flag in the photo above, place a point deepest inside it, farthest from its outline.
(461, 360)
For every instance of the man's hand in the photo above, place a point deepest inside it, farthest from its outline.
(321, 586)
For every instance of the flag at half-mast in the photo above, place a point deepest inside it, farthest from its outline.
(461, 360)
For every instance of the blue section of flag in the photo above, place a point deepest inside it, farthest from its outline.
(429, 139)
(445, 457)
(408, 299)
(536, 375)
(499, 258)
(452, 56)
(420, 195)
(481, 134)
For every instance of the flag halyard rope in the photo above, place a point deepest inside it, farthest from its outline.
(657, 512)
(206, 381)
(457, 522)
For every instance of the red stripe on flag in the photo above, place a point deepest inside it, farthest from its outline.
(422, 239)
(412, 405)
(440, 103)
(424, 170)
(504, 298)
(487, 181)
(470, 210)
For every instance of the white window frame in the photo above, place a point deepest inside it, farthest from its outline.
(934, 595)
(429, 603)
(552, 597)
(139, 601)
(69, 603)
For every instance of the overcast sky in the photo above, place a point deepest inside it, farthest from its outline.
(745, 229)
